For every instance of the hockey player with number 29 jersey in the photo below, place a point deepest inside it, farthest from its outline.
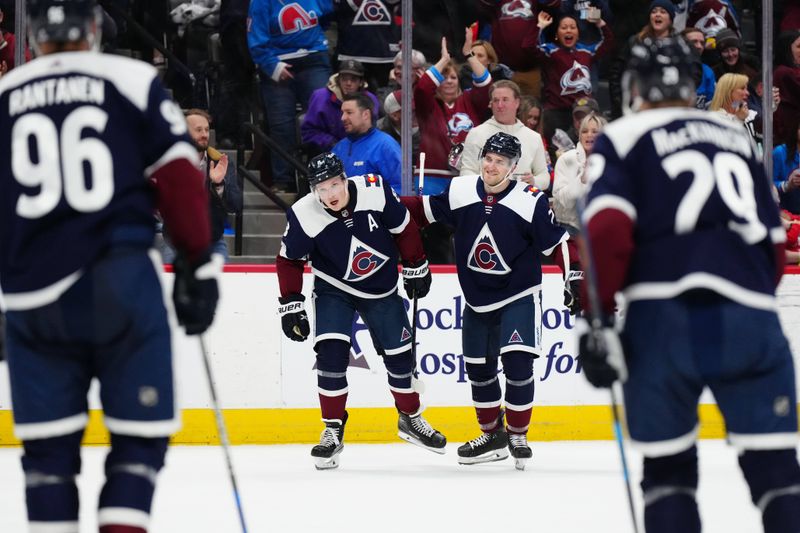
(351, 229)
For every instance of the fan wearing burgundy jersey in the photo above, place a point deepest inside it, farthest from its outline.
(681, 221)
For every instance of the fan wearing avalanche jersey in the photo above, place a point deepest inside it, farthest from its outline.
(680, 218)
(501, 228)
(351, 229)
(94, 145)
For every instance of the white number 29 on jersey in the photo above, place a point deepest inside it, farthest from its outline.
(60, 162)
(731, 176)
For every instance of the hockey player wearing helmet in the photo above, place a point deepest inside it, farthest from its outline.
(501, 228)
(680, 219)
(352, 229)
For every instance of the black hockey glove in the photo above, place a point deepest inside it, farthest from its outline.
(416, 278)
(195, 293)
(572, 292)
(294, 319)
(601, 355)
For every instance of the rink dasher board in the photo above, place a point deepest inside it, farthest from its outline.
(267, 384)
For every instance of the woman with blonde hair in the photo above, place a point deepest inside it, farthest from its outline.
(730, 101)
(569, 183)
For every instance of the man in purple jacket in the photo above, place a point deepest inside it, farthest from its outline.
(322, 124)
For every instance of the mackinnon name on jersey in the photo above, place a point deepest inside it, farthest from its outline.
(56, 91)
(694, 132)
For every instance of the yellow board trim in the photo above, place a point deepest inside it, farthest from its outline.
(375, 425)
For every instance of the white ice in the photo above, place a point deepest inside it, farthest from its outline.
(568, 487)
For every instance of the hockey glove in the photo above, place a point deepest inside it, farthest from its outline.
(600, 354)
(195, 293)
(416, 278)
(572, 292)
(294, 319)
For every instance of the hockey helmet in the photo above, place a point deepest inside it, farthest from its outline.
(324, 167)
(64, 21)
(659, 70)
(503, 144)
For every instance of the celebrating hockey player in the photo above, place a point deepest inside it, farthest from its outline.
(352, 230)
(681, 219)
(90, 141)
(501, 227)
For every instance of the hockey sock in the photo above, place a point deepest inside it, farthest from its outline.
(485, 393)
(50, 467)
(131, 469)
(774, 480)
(669, 485)
(518, 368)
(400, 370)
(333, 356)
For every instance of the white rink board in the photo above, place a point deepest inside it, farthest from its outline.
(255, 367)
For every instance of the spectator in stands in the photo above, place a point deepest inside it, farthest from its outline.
(730, 100)
(322, 124)
(580, 108)
(569, 182)
(446, 113)
(791, 223)
(787, 80)
(705, 80)
(586, 11)
(565, 66)
(504, 102)
(368, 32)
(785, 171)
(530, 113)
(732, 59)
(288, 45)
(224, 194)
(365, 149)
(7, 47)
(486, 54)
(391, 122)
(418, 64)
(659, 26)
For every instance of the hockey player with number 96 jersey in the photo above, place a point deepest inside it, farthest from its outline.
(681, 220)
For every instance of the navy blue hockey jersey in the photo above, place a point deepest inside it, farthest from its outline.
(498, 238)
(700, 205)
(81, 136)
(367, 30)
(353, 249)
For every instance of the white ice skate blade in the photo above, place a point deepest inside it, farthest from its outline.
(326, 463)
(416, 442)
(519, 463)
(496, 455)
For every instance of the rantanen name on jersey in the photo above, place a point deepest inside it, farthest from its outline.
(667, 142)
(56, 91)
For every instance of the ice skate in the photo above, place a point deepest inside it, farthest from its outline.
(331, 443)
(416, 430)
(484, 449)
(520, 451)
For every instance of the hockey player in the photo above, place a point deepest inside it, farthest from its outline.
(351, 229)
(91, 141)
(501, 227)
(681, 219)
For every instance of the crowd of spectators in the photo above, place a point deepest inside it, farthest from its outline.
(549, 72)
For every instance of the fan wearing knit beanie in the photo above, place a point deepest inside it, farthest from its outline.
(666, 5)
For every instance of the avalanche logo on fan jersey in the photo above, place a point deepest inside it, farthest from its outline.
(485, 257)
(294, 18)
(364, 261)
(517, 9)
(370, 13)
(712, 22)
(459, 123)
(576, 80)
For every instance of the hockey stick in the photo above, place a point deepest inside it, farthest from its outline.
(414, 299)
(223, 434)
(596, 323)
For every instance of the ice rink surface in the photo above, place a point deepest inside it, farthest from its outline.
(568, 487)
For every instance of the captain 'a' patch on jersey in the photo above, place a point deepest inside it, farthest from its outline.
(364, 261)
(485, 255)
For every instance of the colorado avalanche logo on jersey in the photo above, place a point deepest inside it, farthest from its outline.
(712, 22)
(517, 9)
(459, 123)
(576, 80)
(370, 13)
(485, 257)
(363, 261)
(294, 18)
